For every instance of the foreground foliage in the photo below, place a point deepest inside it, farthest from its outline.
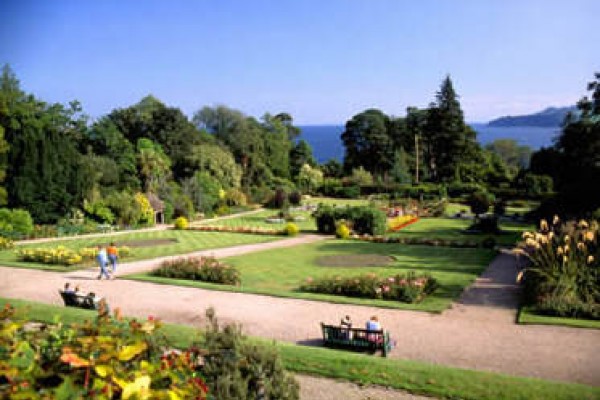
(564, 276)
(119, 359)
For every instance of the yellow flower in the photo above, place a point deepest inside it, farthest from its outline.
(580, 246)
(589, 236)
(567, 239)
(565, 259)
(555, 220)
(567, 248)
(583, 224)
(527, 235)
(543, 225)
(559, 250)
(590, 259)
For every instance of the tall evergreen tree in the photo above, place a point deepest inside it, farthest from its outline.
(449, 142)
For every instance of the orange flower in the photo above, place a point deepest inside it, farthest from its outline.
(73, 359)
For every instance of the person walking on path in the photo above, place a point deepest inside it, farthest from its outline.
(102, 259)
(113, 256)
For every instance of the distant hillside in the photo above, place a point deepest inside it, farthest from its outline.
(550, 117)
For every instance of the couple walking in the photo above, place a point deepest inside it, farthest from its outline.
(106, 255)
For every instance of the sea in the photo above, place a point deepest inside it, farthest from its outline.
(326, 142)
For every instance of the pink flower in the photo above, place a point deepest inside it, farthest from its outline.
(386, 289)
(391, 280)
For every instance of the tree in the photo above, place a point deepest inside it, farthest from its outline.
(300, 154)
(368, 143)
(43, 173)
(218, 162)
(480, 202)
(309, 178)
(203, 190)
(333, 169)
(400, 172)
(516, 157)
(3, 165)
(448, 140)
(153, 164)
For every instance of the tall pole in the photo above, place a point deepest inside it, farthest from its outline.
(417, 158)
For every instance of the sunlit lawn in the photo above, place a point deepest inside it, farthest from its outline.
(259, 220)
(453, 229)
(184, 242)
(280, 272)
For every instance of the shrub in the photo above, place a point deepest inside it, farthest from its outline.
(563, 276)
(59, 255)
(291, 229)
(181, 223)
(236, 369)
(364, 220)
(278, 200)
(206, 269)
(486, 224)
(15, 223)
(361, 177)
(480, 202)
(235, 197)
(6, 243)
(409, 288)
(295, 198)
(342, 231)
(146, 210)
(459, 189)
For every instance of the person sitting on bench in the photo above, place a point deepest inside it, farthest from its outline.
(373, 325)
(346, 324)
(68, 289)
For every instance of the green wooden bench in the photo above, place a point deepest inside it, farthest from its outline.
(356, 339)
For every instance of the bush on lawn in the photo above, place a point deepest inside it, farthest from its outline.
(237, 369)
(363, 219)
(342, 231)
(563, 278)
(58, 255)
(291, 229)
(181, 223)
(408, 288)
(205, 269)
(15, 224)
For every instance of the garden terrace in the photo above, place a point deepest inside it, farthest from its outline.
(280, 272)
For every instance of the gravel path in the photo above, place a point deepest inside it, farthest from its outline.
(477, 333)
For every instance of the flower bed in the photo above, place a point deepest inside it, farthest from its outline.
(62, 256)
(563, 278)
(408, 288)
(397, 223)
(206, 269)
(237, 229)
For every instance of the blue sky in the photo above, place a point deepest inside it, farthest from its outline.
(322, 61)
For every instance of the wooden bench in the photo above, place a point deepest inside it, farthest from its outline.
(74, 300)
(355, 338)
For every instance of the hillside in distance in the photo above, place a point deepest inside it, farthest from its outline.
(550, 117)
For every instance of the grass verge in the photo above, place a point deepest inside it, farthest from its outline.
(527, 316)
(412, 376)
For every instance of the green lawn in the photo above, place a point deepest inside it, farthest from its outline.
(258, 220)
(527, 316)
(279, 272)
(185, 242)
(412, 376)
(452, 229)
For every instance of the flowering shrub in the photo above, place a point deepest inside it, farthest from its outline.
(291, 229)
(564, 276)
(397, 223)
(206, 269)
(105, 359)
(342, 231)
(6, 243)
(59, 255)
(181, 223)
(62, 256)
(364, 219)
(238, 229)
(461, 244)
(117, 359)
(409, 288)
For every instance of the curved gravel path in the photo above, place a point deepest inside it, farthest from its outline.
(477, 333)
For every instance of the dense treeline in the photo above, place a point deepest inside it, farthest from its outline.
(61, 167)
